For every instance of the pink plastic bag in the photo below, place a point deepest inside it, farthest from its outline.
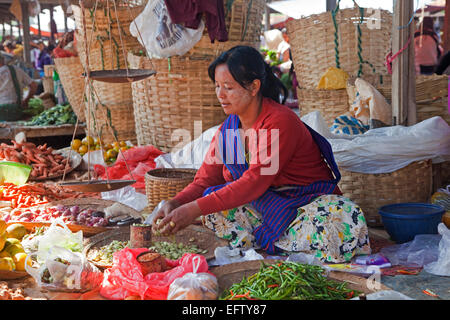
(139, 160)
(125, 277)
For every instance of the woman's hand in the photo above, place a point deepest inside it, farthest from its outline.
(179, 218)
(165, 210)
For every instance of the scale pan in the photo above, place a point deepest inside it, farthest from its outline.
(97, 185)
(120, 75)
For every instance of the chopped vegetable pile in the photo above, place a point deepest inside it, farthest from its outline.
(105, 253)
(173, 250)
(288, 281)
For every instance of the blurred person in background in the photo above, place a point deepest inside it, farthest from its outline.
(44, 58)
(426, 47)
(14, 80)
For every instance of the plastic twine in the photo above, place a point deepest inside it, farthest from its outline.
(390, 58)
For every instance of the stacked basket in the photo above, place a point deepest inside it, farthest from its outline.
(70, 73)
(359, 47)
(181, 94)
(106, 38)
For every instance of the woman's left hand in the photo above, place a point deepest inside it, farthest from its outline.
(179, 218)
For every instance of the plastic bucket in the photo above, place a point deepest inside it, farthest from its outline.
(403, 221)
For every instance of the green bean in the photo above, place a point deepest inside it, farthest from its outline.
(290, 280)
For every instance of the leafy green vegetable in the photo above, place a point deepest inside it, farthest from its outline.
(57, 115)
(35, 107)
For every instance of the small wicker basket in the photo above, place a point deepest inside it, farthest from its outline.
(412, 183)
(164, 184)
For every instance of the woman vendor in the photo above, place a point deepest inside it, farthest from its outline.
(268, 180)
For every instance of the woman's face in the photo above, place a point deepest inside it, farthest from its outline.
(232, 96)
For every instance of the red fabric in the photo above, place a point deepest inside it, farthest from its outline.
(299, 161)
(189, 13)
(125, 277)
(139, 160)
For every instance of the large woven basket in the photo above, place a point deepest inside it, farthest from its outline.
(164, 184)
(179, 96)
(412, 183)
(107, 16)
(330, 103)
(70, 73)
(119, 115)
(243, 20)
(312, 41)
(48, 85)
(431, 96)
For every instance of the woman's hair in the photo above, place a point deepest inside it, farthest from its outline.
(246, 64)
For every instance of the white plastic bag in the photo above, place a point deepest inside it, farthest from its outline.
(225, 255)
(194, 286)
(64, 270)
(387, 149)
(59, 235)
(191, 155)
(128, 196)
(154, 29)
(441, 267)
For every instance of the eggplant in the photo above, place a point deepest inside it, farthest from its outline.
(129, 221)
(99, 214)
(118, 218)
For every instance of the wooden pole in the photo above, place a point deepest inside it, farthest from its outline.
(447, 26)
(26, 33)
(266, 17)
(18, 29)
(39, 26)
(403, 69)
(52, 35)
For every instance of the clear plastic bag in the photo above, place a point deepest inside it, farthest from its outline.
(64, 270)
(441, 267)
(194, 286)
(417, 253)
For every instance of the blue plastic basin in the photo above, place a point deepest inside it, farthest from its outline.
(403, 221)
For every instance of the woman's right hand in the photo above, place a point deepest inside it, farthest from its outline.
(166, 208)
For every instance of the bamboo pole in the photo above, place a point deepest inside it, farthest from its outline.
(403, 69)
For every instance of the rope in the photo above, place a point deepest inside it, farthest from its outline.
(360, 58)
(336, 35)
